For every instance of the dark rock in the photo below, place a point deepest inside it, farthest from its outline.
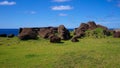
(63, 32)
(45, 33)
(107, 32)
(39, 28)
(55, 39)
(92, 25)
(54, 29)
(74, 39)
(75, 31)
(27, 33)
(84, 27)
(116, 34)
(20, 30)
(3, 35)
(79, 33)
(11, 35)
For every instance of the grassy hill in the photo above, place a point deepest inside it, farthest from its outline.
(88, 53)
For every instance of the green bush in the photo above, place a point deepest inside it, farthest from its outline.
(96, 33)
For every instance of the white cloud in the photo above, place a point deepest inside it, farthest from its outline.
(62, 7)
(7, 3)
(63, 14)
(30, 12)
(61, 1)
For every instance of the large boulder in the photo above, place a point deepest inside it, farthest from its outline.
(3, 35)
(80, 31)
(63, 32)
(27, 33)
(74, 31)
(74, 39)
(116, 34)
(88, 30)
(55, 39)
(54, 29)
(92, 25)
(45, 33)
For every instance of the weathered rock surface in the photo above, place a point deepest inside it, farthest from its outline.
(55, 39)
(92, 25)
(80, 31)
(45, 33)
(74, 39)
(63, 32)
(27, 33)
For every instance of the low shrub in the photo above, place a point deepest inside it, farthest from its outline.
(96, 33)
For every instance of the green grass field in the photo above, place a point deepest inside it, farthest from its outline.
(88, 53)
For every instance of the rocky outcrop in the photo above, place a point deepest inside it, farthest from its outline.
(52, 32)
(92, 25)
(27, 33)
(63, 32)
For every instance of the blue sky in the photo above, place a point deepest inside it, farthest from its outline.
(43, 13)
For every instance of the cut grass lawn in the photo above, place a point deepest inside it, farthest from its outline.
(88, 53)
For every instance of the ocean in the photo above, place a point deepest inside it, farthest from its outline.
(9, 31)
